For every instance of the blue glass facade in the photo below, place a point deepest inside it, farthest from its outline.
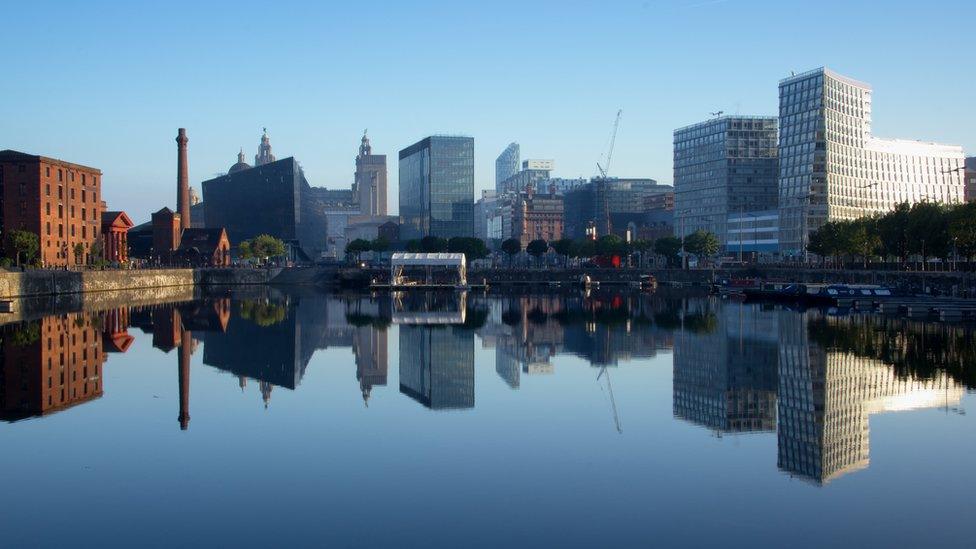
(437, 188)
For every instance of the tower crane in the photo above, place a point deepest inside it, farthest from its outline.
(613, 140)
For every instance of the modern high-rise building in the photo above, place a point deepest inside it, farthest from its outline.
(722, 166)
(534, 174)
(832, 168)
(437, 187)
(610, 205)
(507, 164)
(370, 181)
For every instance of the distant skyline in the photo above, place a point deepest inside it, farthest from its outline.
(107, 84)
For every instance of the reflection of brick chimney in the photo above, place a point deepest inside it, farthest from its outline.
(186, 341)
(182, 181)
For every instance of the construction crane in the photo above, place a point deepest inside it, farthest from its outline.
(613, 403)
(613, 140)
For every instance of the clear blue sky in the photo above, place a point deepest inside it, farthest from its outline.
(107, 83)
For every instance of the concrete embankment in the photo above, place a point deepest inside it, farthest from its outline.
(50, 282)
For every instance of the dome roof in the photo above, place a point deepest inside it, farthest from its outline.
(241, 165)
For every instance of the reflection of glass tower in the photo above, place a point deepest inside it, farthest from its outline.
(826, 397)
(725, 379)
(437, 365)
(369, 347)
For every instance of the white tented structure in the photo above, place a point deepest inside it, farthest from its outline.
(428, 262)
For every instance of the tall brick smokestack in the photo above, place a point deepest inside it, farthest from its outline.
(182, 181)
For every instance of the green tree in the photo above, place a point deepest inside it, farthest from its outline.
(537, 248)
(262, 247)
(702, 243)
(433, 245)
(928, 230)
(893, 230)
(357, 247)
(641, 247)
(511, 247)
(244, 250)
(413, 246)
(863, 238)
(379, 244)
(962, 229)
(267, 246)
(78, 251)
(564, 247)
(668, 247)
(24, 244)
(611, 244)
(472, 248)
(586, 248)
(826, 241)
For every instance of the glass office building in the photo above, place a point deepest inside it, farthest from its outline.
(507, 164)
(723, 166)
(437, 188)
(832, 168)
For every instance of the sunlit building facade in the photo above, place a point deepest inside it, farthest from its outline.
(826, 398)
(832, 168)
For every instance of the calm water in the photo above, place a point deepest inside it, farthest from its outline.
(266, 418)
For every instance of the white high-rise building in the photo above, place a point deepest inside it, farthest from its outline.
(832, 168)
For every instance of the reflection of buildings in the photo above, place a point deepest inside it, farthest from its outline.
(436, 349)
(826, 397)
(759, 370)
(725, 379)
(437, 365)
(527, 331)
(50, 365)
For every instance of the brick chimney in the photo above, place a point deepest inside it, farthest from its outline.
(182, 181)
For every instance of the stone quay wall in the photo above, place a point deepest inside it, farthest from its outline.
(51, 282)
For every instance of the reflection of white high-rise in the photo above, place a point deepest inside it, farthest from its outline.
(826, 397)
(832, 168)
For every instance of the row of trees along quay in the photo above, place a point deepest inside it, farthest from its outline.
(701, 244)
(25, 246)
(924, 230)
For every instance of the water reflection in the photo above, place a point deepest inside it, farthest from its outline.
(812, 378)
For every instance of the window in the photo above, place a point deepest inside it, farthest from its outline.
(47, 189)
(82, 179)
(60, 192)
(49, 228)
(48, 208)
(60, 175)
